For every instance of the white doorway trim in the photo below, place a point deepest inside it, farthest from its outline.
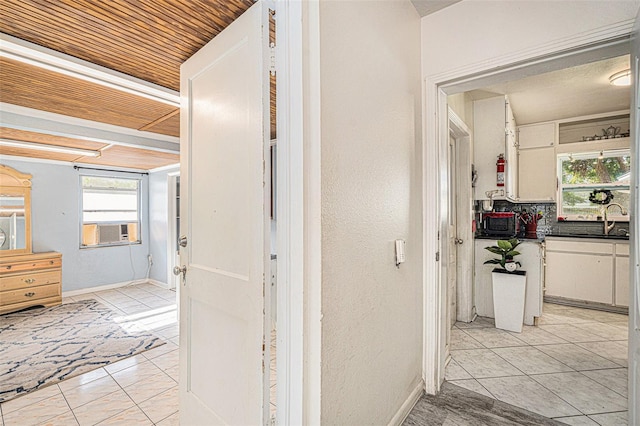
(464, 218)
(172, 231)
(564, 53)
(298, 212)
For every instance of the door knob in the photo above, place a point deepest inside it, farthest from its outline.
(178, 270)
(458, 241)
(182, 241)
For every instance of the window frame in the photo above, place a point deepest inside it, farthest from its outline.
(138, 219)
(611, 185)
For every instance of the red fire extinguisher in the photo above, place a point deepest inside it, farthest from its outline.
(500, 169)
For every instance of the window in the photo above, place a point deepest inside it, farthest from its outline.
(580, 174)
(110, 211)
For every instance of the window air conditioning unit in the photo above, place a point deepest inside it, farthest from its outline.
(112, 233)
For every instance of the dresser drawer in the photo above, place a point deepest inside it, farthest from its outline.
(29, 294)
(29, 280)
(47, 263)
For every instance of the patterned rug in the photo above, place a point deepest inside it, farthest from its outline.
(42, 346)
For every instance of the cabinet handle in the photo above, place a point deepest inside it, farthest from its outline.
(30, 294)
(30, 280)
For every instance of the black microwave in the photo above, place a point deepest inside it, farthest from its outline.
(500, 224)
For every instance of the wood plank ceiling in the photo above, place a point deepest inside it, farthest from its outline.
(146, 39)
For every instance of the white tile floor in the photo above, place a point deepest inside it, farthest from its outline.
(141, 390)
(572, 367)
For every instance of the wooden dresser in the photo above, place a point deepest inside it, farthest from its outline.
(30, 280)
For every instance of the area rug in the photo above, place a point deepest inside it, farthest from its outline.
(43, 346)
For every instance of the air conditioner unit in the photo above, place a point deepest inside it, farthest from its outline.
(112, 233)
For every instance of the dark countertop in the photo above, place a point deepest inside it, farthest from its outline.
(597, 237)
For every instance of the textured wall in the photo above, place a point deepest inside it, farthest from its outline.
(371, 195)
(55, 215)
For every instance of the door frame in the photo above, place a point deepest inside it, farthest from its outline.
(612, 40)
(172, 231)
(464, 218)
(298, 240)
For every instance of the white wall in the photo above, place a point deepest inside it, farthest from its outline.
(159, 223)
(55, 216)
(370, 159)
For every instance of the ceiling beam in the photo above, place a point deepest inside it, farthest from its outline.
(24, 51)
(27, 119)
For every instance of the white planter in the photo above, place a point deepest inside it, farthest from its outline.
(509, 291)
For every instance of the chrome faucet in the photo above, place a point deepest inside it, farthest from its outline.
(609, 226)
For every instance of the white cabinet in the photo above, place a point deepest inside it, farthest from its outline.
(622, 278)
(492, 120)
(531, 260)
(587, 270)
(537, 179)
(537, 136)
(511, 169)
(537, 174)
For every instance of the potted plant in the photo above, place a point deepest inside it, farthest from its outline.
(509, 286)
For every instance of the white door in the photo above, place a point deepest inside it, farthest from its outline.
(634, 305)
(224, 189)
(453, 234)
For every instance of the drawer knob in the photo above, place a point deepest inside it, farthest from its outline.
(30, 294)
(30, 280)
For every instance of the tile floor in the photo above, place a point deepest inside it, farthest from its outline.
(141, 390)
(572, 367)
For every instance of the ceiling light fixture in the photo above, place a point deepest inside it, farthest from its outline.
(50, 148)
(622, 78)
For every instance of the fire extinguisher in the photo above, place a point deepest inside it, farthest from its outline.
(500, 169)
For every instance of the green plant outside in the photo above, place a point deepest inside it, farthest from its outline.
(507, 252)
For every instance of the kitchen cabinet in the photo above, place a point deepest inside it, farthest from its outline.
(541, 135)
(621, 295)
(587, 270)
(532, 262)
(493, 127)
(537, 178)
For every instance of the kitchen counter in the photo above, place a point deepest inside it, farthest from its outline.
(598, 237)
(564, 235)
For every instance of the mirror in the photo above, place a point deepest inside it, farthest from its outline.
(15, 212)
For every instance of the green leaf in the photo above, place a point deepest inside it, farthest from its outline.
(494, 249)
(514, 243)
(513, 253)
(504, 245)
(492, 262)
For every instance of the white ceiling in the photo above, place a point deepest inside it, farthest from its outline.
(571, 92)
(427, 7)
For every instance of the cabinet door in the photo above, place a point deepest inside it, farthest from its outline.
(511, 149)
(537, 136)
(576, 276)
(537, 174)
(622, 281)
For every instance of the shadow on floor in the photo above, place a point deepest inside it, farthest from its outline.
(458, 406)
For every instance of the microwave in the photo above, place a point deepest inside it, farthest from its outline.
(500, 224)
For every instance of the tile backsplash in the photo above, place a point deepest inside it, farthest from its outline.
(549, 223)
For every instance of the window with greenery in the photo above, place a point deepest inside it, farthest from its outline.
(580, 174)
(110, 211)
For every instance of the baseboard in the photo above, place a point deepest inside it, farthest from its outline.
(159, 283)
(408, 405)
(102, 288)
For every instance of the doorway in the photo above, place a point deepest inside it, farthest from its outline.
(578, 57)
